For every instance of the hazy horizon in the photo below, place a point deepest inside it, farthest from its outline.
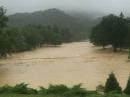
(100, 6)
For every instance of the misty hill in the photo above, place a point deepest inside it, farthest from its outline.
(77, 23)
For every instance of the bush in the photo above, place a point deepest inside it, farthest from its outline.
(100, 88)
(76, 91)
(127, 89)
(21, 88)
(57, 89)
(6, 89)
(42, 91)
(112, 84)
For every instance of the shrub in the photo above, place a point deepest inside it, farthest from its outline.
(6, 89)
(57, 89)
(112, 84)
(21, 88)
(100, 88)
(76, 91)
(127, 89)
(42, 90)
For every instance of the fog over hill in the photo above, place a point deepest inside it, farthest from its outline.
(76, 22)
(100, 6)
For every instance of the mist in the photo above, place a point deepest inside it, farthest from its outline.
(102, 6)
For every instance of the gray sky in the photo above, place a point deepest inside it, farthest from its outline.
(109, 6)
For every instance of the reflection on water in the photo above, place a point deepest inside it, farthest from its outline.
(69, 64)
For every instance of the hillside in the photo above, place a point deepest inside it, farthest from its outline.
(77, 23)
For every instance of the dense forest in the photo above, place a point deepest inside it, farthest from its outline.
(14, 39)
(78, 24)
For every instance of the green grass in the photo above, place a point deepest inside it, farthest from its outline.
(92, 95)
(23, 95)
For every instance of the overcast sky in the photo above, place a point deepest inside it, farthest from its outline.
(108, 6)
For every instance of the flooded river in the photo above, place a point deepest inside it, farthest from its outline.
(69, 64)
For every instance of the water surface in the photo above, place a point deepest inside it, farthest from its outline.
(69, 64)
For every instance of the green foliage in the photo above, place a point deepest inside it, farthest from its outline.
(20, 88)
(127, 89)
(64, 91)
(14, 39)
(112, 84)
(3, 18)
(56, 39)
(79, 25)
(92, 95)
(42, 91)
(112, 30)
(3, 24)
(61, 90)
(99, 36)
(27, 38)
(6, 89)
(57, 89)
(100, 88)
(76, 91)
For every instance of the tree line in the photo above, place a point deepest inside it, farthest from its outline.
(112, 30)
(14, 39)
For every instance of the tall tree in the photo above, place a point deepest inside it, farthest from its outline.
(112, 30)
(3, 40)
(3, 18)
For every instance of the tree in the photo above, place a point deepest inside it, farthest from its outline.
(112, 30)
(3, 40)
(127, 89)
(55, 39)
(32, 37)
(112, 84)
(16, 40)
(66, 35)
(3, 18)
(99, 36)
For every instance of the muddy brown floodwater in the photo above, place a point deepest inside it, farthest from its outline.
(70, 64)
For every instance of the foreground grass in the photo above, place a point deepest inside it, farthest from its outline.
(22, 90)
(92, 95)
(23, 95)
